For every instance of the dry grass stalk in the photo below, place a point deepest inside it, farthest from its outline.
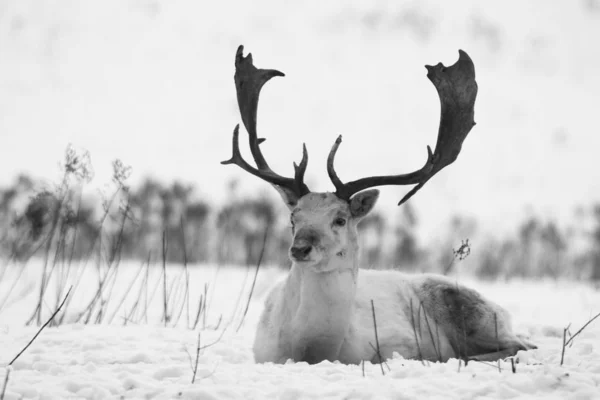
(384, 361)
(142, 288)
(37, 313)
(378, 350)
(572, 337)
(12, 287)
(195, 369)
(96, 242)
(260, 257)
(42, 328)
(164, 267)
(5, 383)
(201, 308)
(497, 340)
(124, 296)
(461, 253)
(205, 305)
(187, 275)
(412, 323)
(436, 348)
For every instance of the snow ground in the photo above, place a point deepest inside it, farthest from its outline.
(148, 361)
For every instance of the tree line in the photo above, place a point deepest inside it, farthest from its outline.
(171, 221)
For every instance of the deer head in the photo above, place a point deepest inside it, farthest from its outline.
(325, 229)
(324, 225)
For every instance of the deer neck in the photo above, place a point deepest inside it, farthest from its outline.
(322, 290)
(322, 304)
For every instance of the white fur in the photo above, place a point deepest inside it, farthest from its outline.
(322, 309)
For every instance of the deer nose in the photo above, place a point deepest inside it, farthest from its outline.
(300, 252)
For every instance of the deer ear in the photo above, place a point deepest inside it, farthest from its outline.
(363, 202)
(289, 197)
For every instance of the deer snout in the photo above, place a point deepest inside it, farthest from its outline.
(299, 252)
(304, 241)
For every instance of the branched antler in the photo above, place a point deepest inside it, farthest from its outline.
(457, 90)
(249, 80)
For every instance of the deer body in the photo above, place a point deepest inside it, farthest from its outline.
(307, 332)
(322, 310)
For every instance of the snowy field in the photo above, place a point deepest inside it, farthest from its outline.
(136, 357)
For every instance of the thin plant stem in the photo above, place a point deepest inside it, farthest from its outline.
(197, 357)
(412, 320)
(377, 338)
(164, 267)
(581, 329)
(187, 274)
(570, 340)
(564, 344)
(260, 257)
(5, 383)
(42, 328)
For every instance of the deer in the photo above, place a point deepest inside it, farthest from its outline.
(329, 309)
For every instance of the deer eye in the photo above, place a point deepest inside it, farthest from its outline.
(339, 221)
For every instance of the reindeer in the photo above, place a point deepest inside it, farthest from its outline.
(325, 308)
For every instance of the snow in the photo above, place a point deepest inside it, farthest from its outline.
(142, 360)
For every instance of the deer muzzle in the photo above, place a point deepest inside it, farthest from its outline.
(304, 241)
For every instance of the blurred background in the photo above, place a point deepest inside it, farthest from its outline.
(114, 116)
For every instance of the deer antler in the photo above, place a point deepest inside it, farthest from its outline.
(457, 90)
(249, 80)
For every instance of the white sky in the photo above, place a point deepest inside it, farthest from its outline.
(151, 82)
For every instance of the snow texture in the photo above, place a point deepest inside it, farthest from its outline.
(150, 361)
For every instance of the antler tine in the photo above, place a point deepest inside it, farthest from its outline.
(337, 182)
(249, 81)
(265, 174)
(457, 91)
(300, 170)
(346, 190)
